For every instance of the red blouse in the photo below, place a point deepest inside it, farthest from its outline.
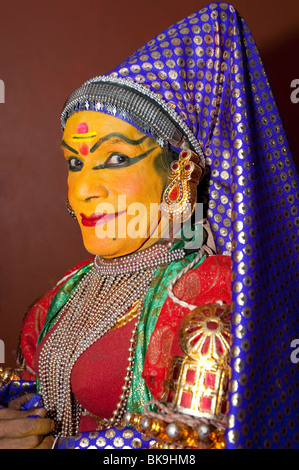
(98, 375)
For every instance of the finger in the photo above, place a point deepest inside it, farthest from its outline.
(30, 442)
(20, 401)
(8, 413)
(24, 427)
(46, 443)
(36, 413)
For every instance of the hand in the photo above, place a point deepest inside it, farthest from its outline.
(17, 431)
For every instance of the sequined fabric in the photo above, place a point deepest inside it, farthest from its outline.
(208, 69)
(15, 389)
(114, 438)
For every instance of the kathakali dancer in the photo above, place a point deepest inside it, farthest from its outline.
(173, 338)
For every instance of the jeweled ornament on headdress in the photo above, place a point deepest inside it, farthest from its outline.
(197, 384)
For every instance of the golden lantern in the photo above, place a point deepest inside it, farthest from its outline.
(197, 383)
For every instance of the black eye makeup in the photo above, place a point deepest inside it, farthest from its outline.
(120, 160)
(114, 161)
(75, 164)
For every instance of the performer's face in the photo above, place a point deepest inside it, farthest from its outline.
(115, 175)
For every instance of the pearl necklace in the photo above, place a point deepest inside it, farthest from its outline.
(104, 295)
(153, 256)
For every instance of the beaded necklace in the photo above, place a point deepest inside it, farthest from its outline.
(105, 294)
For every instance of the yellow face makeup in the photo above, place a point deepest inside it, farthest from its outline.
(114, 185)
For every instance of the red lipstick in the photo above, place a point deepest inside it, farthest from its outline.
(98, 219)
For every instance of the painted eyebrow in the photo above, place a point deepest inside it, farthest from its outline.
(117, 137)
(64, 144)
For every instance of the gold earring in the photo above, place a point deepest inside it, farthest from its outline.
(70, 210)
(179, 197)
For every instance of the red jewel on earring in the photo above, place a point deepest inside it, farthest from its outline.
(174, 193)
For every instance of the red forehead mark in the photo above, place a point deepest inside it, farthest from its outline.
(82, 128)
(83, 149)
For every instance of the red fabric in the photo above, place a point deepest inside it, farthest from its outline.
(31, 328)
(208, 283)
(98, 374)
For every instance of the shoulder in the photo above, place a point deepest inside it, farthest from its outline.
(72, 271)
(35, 316)
(204, 283)
(43, 303)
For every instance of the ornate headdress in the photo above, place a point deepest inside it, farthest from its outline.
(201, 84)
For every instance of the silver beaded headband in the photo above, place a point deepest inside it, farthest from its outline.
(136, 104)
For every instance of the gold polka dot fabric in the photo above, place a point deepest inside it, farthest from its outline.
(208, 68)
(113, 438)
(208, 71)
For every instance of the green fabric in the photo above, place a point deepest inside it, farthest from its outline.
(139, 394)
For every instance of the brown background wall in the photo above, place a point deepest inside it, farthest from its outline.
(47, 49)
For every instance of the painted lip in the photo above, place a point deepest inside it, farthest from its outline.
(98, 219)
